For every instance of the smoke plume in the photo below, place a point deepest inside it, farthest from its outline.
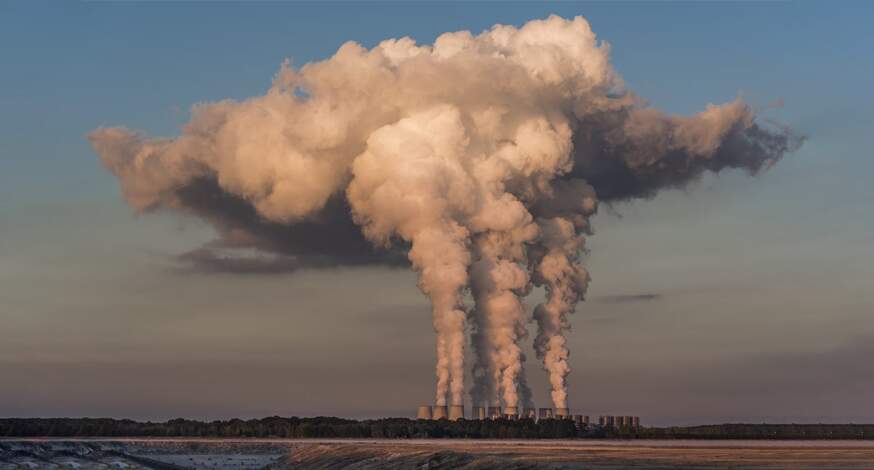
(480, 157)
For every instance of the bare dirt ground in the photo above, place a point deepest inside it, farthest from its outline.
(581, 455)
(431, 454)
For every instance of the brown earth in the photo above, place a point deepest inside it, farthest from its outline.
(476, 455)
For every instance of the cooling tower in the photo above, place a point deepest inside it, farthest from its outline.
(627, 422)
(530, 413)
(602, 420)
(456, 412)
(494, 412)
(441, 412)
(635, 422)
(511, 412)
(478, 412)
(562, 413)
(610, 421)
(424, 412)
(545, 413)
(586, 420)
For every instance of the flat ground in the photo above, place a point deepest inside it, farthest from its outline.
(592, 454)
(430, 454)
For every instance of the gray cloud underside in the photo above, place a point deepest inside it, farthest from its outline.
(621, 167)
(328, 241)
(627, 298)
(602, 157)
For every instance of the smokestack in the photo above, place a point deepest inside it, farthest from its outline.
(456, 412)
(424, 412)
(562, 413)
(478, 412)
(441, 412)
(511, 412)
(494, 412)
(545, 413)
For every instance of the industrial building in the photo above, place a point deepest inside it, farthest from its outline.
(456, 412)
(511, 412)
(440, 412)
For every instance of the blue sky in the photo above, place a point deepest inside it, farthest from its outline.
(762, 306)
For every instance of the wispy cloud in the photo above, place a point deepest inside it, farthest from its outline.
(625, 298)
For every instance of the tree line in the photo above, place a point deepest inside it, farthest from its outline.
(402, 428)
(294, 427)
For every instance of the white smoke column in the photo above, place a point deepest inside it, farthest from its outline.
(404, 185)
(496, 146)
(565, 284)
(469, 152)
(554, 265)
(497, 282)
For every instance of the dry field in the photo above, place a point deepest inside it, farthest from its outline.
(224, 454)
(584, 455)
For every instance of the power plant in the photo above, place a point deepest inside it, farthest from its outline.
(459, 222)
(424, 412)
(440, 412)
(456, 412)
(511, 412)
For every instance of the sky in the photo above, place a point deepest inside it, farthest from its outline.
(736, 299)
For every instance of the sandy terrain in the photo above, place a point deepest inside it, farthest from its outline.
(583, 455)
(430, 454)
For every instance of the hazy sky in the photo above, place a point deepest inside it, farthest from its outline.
(737, 299)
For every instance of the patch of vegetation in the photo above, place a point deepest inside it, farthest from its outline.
(402, 428)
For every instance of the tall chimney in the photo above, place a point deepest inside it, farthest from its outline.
(456, 412)
(424, 412)
(441, 412)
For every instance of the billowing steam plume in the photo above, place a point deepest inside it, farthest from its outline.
(480, 157)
